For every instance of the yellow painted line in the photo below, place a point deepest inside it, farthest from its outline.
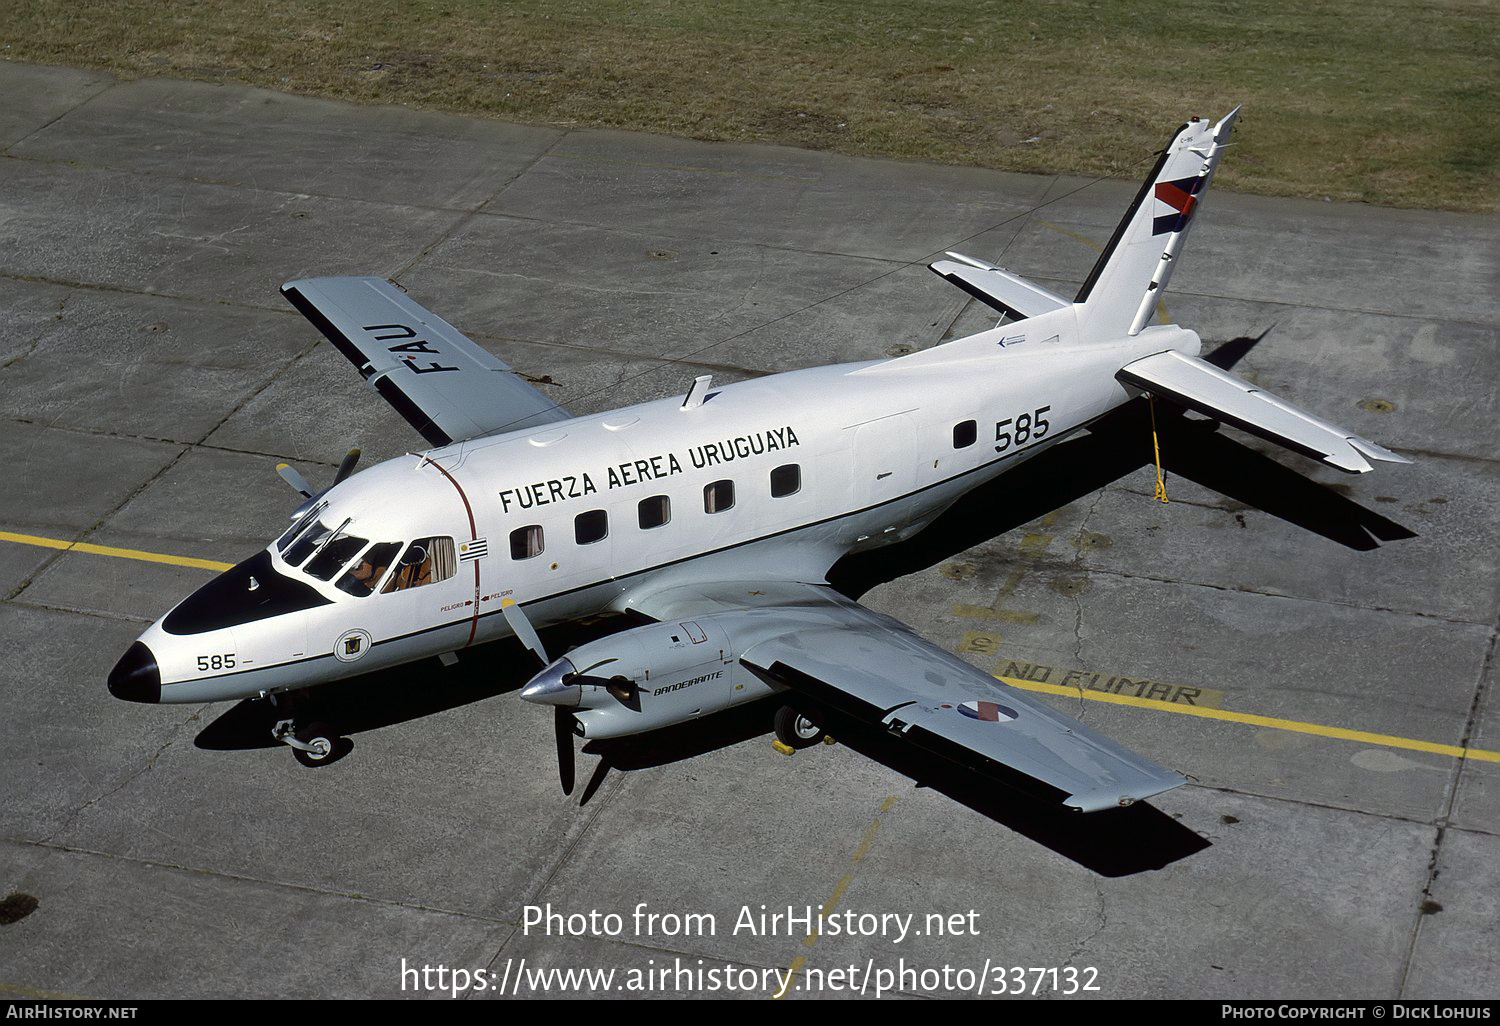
(991, 613)
(108, 550)
(1251, 719)
(865, 844)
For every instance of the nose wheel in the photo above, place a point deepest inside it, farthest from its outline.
(312, 744)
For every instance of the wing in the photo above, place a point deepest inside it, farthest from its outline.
(870, 667)
(995, 286)
(1199, 385)
(445, 385)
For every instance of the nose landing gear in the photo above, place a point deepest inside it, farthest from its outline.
(313, 744)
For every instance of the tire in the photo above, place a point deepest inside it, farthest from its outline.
(319, 736)
(796, 730)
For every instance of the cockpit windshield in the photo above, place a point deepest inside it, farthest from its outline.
(307, 542)
(296, 528)
(335, 552)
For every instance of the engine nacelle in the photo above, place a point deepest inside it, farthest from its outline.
(649, 677)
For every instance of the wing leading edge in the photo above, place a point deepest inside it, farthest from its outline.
(445, 385)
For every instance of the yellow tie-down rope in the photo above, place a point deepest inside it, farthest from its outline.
(1161, 481)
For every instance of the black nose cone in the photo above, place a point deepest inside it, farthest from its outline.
(135, 677)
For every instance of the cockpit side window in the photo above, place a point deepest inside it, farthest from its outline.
(369, 569)
(425, 561)
(331, 559)
(306, 543)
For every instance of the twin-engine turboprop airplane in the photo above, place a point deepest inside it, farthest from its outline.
(715, 516)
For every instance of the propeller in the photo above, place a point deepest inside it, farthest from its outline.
(562, 729)
(346, 466)
(562, 717)
(292, 476)
(521, 627)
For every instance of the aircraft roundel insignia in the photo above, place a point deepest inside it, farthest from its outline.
(352, 645)
(988, 711)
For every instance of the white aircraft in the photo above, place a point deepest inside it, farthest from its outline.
(715, 516)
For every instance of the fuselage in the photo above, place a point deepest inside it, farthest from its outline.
(773, 478)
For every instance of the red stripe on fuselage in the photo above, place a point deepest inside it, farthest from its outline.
(473, 536)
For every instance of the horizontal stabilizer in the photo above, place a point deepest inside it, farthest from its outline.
(994, 286)
(1201, 386)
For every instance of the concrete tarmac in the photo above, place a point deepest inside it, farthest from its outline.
(151, 377)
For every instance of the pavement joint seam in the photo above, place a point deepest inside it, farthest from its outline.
(1329, 806)
(1445, 821)
(150, 764)
(110, 83)
(1054, 566)
(471, 213)
(897, 262)
(45, 607)
(217, 874)
(219, 183)
(145, 485)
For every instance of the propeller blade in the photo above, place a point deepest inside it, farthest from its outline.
(351, 460)
(291, 476)
(562, 728)
(521, 627)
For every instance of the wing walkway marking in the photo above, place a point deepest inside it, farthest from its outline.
(1251, 719)
(107, 550)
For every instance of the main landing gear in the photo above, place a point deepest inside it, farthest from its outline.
(796, 731)
(313, 744)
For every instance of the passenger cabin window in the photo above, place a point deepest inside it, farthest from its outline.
(654, 512)
(591, 527)
(786, 480)
(367, 571)
(425, 561)
(718, 497)
(526, 542)
(965, 434)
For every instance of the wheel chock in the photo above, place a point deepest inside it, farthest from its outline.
(783, 748)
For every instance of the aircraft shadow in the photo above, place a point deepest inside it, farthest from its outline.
(1115, 843)
(388, 697)
(1115, 447)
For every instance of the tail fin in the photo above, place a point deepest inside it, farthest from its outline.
(1122, 290)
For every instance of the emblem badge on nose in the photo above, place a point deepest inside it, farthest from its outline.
(351, 645)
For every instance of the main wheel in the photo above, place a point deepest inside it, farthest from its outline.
(796, 730)
(323, 740)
